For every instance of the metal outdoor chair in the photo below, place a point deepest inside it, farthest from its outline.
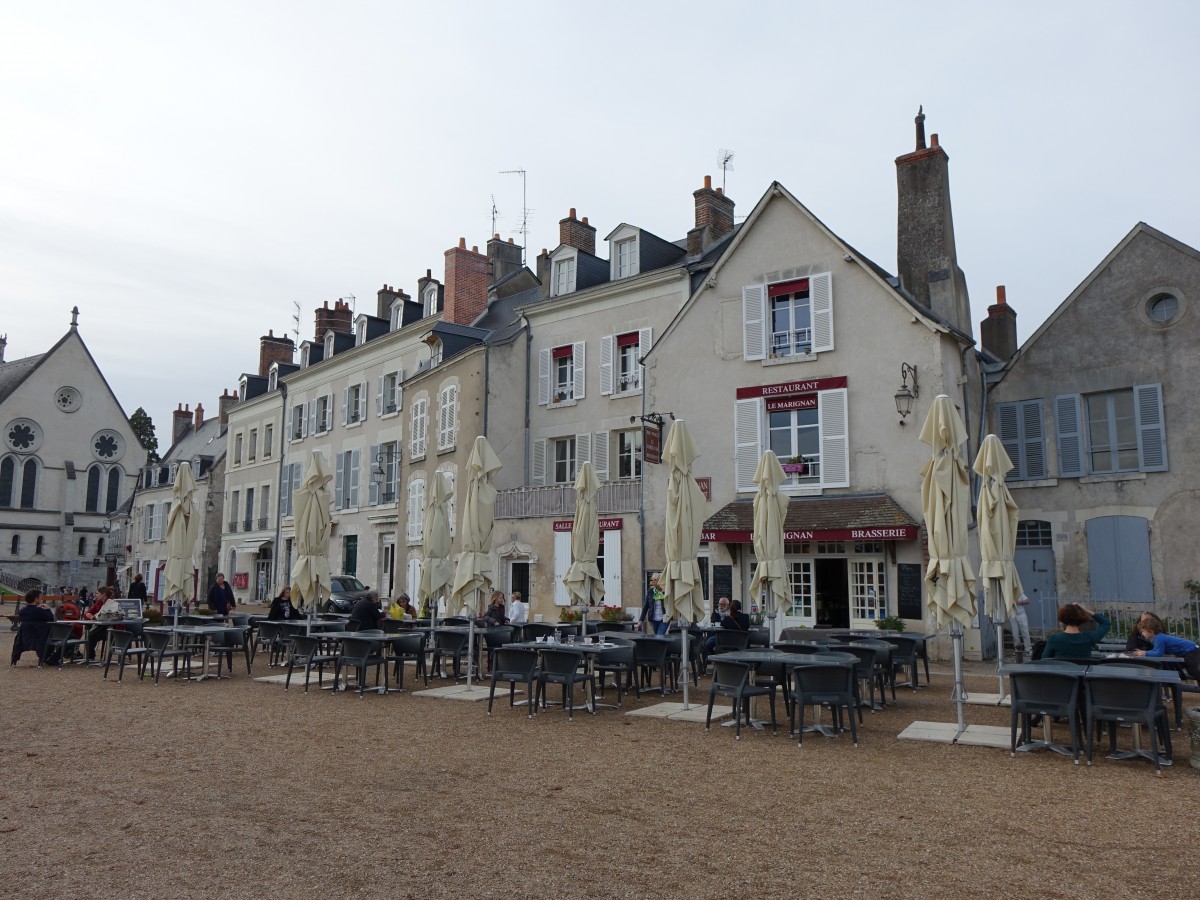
(361, 655)
(728, 640)
(306, 649)
(648, 656)
(904, 658)
(228, 643)
(61, 639)
(617, 662)
(496, 637)
(824, 684)
(270, 635)
(451, 644)
(1121, 700)
(732, 679)
(883, 672)
(120, 646)
(1052, 691)
(562, 667)
(158, 644)
(407, 648)
(535, 630)
(514, 666)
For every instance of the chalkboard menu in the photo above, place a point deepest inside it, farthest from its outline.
(722, 582)
(909, 603)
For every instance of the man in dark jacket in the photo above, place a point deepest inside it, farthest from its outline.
(34, 621)
(220, 597)
(137, 590)
(364, 615)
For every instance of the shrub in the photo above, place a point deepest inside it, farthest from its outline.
(890, 623)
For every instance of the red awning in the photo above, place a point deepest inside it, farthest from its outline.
(788, 287)
(562, 352)
(628, 340)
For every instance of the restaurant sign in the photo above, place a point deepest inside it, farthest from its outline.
(881, 533)
(614, 524)
(652, 443)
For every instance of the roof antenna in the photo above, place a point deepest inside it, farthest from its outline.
(725, 161)
(296, 321)
(495, 212)
(524, 212)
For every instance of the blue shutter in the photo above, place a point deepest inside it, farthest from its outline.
(1068, 419)
(1020, 431)
(1151, 429)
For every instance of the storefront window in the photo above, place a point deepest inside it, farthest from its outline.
(800, 578)
(868, 598)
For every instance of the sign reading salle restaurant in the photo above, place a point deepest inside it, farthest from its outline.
(605, 524)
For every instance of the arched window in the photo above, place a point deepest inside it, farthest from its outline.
(113, 500)
(83, 546)
(39, 545)
(8, 468)
(16, 544)
(92, 503)
(28, 484)
(99, 546)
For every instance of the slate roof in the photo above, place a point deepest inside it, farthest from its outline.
(13, 373)
(819, 514)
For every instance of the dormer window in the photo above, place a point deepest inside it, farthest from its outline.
(304, 362)
(242, 391)
(563, 281)
(360, 332)
(429, 301)
(396, 314)
(329, 345)
(435, 352)
(273, 379)
(625, 258)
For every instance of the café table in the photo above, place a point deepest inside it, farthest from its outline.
(1163, 663)
(588, 650)
(1161, 676)
(105, 625)
(203, 632)
(756, 657)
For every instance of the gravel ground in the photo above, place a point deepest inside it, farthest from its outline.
(212, 789)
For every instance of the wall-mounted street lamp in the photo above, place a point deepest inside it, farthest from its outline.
(906, 393)
(379, 472)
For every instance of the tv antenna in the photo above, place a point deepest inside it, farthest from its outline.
(725, 161)
(296, 321)
(495, 213)
(352, 300)
(524, 212)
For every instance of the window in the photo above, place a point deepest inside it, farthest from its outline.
(354, 403)
(82, 546)
(346, 479)
(1111, 431)
(252, 452)
(416, 431)
(561, 374)
(360, 332)
(268, 440)
(389, 393)
(787, 320)
(248, 518)
(1021, 434)
(1162, 308)
(868, 598)
(237, 449)
(626, 253)
(564, 461)
(557, 460)
(99, 546)
(447, 417)
(629, 454)
(800, 581)
(435, 352)
(235, 506)
(321, 414)
(288, 486)
(385, 472)
(429, 301)
(28, 484)
(812, 426)
(8, 468)
(563, 281)
(1034, 533)
(16, 544)
(416, 511)
(329, 346)
(395, 316)
(273, 379)
(113, 500)
(92, 500)
(297, 423)
(39, 545)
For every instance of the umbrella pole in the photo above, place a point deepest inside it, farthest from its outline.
(995, 587)
(684, 665)
(471, 640)
(769, 603)
(960, 694)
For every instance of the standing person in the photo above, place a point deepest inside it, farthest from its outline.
(137, 590)
(1073, 642)
(364, 615)
(220, 597)
(518, 610)
(34, 621)
(1020, 629)
(654, 608)
(495, 611)
(1163, 644)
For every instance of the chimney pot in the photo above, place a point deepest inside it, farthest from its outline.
(933, 140)
(510, 240)
(1000, 295)
(571, 214)
(708, 182)
(462, 243)
(721, 191)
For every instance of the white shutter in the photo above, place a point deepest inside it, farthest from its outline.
(372, 483)
(289, 423)
(339, 474)
(747, 427)
(600, 455)
(643, 348)
(577, 364)
(312, 417)
(562, 562)
(362, 401)
(414, 576)
(399, 395)
(414, 511)
(583, 450)
(612, 568)
(379, 396)
(297, 472)
(355, 476)
(832, 418)
(539, 462)
(345, 406)
(821, 293)
(607, 344)
(543, 377)
(417, 431)
(754, 324)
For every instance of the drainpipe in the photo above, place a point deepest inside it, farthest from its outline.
(972, 478)
(283, 438)
(528, 365)
(641, 516)
(486, 381)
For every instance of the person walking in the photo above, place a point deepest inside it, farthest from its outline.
(220, 597)
(1020, 630)
(654, 609)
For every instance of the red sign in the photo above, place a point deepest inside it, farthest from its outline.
(705, 484)
(241, 580)
(651, 443)
(605, 524)
(783, 404)
(881, 533)
(791, 388)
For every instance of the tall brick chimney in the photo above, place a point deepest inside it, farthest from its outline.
(386, 296)
(504, 257)
(336, 319)
(180, 420)
(999, 330)
(577, 233)
(714, 218)
(466, 284)
(225, 403)
(273, 349)
(199, 419)
(926, 258)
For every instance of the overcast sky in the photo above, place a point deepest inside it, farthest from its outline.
(186, 172)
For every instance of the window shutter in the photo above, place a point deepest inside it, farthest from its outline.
(600, 455)
(1033, 442)
(1007, 422)
(612, 567)
(1151, 428)
(399, 395)
(1068, 420)
(291, 410)
(338, 493)
(297, 473)
(345, 406)
(747, 426)
(607, 342)
(452, 415)
(372, 483)
(835, 444)
(577, 366)
(562, 562)
(355, 476)
(362, 401)
(754, 325)
(414, 510)
(539, 462)
(379, 396)
(312, 417)
(543, 377)
(583, 450)
(643, 349)
(821, 292)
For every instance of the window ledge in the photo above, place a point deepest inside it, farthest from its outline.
(416, 457)
(795, 358)
(357, 423)
(390, 413)
(1115, 476)
(628, 392)
(803, 491)
(561, 403)
(1033, 483)
(442, 451)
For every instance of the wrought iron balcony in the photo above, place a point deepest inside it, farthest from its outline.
(559, 500)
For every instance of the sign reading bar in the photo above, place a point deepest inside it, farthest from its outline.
(888, 533)
(614, 524)
(791, 388)
(651, 443)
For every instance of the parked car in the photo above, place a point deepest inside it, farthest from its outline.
(344, 590)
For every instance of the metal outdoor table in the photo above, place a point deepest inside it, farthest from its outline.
(755, 658)
(1165, 677)
(106, 624)
(588, 651)
(207, 632)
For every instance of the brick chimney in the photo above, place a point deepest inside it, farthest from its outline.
(543, 272)
(466, 284)
(199, 419)
(714, 218)
(226, 402)
(387, 295)
(504, 258)
(999, 330)
(336, 319)
(926, 258)
(577, 233)
(273, 349)
(180, 420)
(3, 345)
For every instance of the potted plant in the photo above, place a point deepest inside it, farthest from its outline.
(560, 397)
(795, 465)
(614, 614)
(567, 614)
(890, 623)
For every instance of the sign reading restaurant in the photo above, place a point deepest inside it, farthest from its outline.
(791, 389)
(605, 524)
(876, 533)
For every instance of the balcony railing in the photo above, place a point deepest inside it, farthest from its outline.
(559, 500)
(262, 523)
(248, 525)
(233, 527)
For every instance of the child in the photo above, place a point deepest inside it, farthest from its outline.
(1169, 645)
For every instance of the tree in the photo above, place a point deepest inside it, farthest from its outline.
(143, 427)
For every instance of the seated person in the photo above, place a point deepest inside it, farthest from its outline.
(364, 615)
(34, 620)
(1073, 642)
(96, 635)
(735, 619)
(494, 615)
(1135, 640)
(402, 608)
(718, 614)
(69, 612)
(1163, 644)
(518, 610)
(282, 606)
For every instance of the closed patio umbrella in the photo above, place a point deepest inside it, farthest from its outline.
(997, 539)
(473, 575)
(770, 511)
(436, 571)
(583, 580)
(680, 580)
(946, 506)
(183, 526)
(310, 572)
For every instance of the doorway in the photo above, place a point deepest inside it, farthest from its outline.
(833, 592)
(350, 555)
(518, 579)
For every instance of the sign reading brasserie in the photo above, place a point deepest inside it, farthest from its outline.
(883, 533)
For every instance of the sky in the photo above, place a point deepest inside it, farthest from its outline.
(187, 172)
